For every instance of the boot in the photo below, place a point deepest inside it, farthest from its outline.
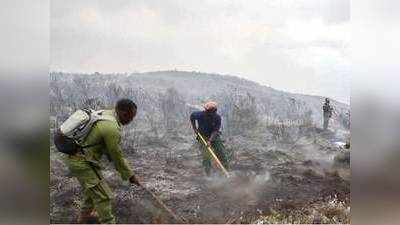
(87, 217)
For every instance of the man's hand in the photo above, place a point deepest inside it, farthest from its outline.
(134, 180)
(209, 143)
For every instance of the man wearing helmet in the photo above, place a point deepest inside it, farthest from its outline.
(208, 125)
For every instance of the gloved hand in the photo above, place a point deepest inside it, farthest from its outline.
(134, 180)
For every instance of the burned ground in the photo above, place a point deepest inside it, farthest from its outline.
(262, 182)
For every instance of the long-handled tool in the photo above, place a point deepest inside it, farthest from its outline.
(158, 200)
(213, 155)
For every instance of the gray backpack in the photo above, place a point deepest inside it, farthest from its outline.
(69, 137)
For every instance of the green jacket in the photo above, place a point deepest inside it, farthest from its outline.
(107, 134)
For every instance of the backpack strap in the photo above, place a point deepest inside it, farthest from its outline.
(97, 116)
(91, 145)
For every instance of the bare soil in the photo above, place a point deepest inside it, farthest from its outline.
(261, 181)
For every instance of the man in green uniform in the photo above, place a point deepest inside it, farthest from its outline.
(85, 166)
(209, 124)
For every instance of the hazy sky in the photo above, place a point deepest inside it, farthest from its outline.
(294, 45)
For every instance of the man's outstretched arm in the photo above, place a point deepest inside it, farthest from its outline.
(112, 138)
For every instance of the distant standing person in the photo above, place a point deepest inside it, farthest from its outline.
(208, 125)
(104, 139)
(327, 112)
